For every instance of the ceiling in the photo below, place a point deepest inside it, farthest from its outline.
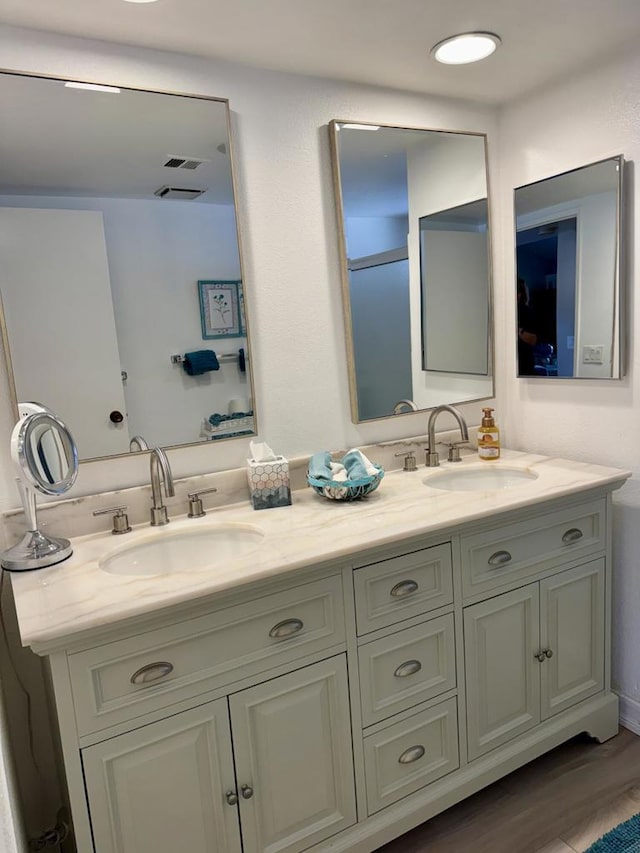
(379, 42)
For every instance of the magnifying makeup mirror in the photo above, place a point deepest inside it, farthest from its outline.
(46, 458)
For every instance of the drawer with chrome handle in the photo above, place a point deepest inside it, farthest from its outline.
(125, 679)
(402, 587)
(410, 754)
(498, 556)
(406, 668)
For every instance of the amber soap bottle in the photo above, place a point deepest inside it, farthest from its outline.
(488, 437)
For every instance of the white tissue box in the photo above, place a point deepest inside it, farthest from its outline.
(269, 484)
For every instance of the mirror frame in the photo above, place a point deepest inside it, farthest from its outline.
(14, 399)
(619, 331)
(344, 267)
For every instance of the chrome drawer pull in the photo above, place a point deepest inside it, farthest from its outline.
(500, 558)
(286, 628)
(410, 667)
(152, 672)
(572, 535)
(404, 588)
(414, 753)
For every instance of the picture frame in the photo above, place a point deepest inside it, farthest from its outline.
(243, 322)
(220, 309)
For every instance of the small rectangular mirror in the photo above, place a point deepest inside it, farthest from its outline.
(416, 274)
(119, 254)
(568, 274)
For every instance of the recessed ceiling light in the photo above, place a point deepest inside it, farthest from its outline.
(92, 87)
(467, 47)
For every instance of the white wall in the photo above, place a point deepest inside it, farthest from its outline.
(589, 118)
(370, 235)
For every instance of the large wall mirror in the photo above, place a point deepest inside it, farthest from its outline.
(413, 210)
(119, 255)
(568, 274)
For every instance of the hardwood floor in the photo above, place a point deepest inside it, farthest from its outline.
(560, 803)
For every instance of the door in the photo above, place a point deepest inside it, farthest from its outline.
(294, 762)
(501, 638)
(572, 636)
(56, 293)
(162, 788)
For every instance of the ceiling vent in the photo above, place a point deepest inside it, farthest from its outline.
(180, 193)
(191, 163)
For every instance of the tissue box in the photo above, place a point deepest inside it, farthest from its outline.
(269, 483)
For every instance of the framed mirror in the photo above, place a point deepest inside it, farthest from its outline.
(120, 256)
(413, 211)
(568, 273)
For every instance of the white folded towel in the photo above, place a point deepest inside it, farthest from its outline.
(338, 472)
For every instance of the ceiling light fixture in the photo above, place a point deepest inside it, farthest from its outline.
(358, 127)
(467, 47)
(92, 87)
(140, 1)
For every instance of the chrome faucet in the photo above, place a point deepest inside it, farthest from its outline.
(432, 459)
(159, 463)
(138, 443)
(403, 406)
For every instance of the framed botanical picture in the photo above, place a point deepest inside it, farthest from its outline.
(220, 309)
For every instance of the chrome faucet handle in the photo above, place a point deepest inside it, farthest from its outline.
(120, 519)
(409, 460)
(196, 509)
(454, 451)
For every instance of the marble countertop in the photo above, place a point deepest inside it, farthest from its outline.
(56, 604)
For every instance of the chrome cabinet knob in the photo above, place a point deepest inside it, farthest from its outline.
(246, 791)
(541, 656)
(231, 798)
(548, 653)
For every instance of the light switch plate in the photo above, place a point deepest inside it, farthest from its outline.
(593, 354)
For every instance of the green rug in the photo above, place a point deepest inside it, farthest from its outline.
(624, 838)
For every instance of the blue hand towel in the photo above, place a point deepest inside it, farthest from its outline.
(320, 466)
(354, 463)
(200, 361)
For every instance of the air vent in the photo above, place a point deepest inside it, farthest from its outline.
(180, 193)
(177, 162)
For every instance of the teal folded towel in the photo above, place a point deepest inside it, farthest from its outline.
(354, 463)
(320, 466)
(199, 362)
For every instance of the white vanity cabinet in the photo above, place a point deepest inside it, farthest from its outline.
(334, 707)
(271, 766)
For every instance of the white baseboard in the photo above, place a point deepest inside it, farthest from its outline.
(629, 713)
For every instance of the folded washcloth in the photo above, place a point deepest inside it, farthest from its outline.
(338, 472)
(358, 466)
(200, 361)
(320, 466)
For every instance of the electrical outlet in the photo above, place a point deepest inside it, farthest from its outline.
(593, 354)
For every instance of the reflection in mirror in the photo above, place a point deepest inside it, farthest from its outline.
(415, 266)
(568, 273)
(119, 255)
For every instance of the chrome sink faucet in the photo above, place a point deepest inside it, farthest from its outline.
(432, 459)
(159, 464)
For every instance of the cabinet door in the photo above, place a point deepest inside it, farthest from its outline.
(501, 637)
(161, 788)
(293, 751)
(572, 632)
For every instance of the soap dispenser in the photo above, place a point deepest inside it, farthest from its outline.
(488, 437)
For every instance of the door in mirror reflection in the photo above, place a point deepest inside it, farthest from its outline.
(116, 209)
(568, 274)
(412, 205)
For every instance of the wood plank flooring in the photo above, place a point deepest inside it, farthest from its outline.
(560, 803)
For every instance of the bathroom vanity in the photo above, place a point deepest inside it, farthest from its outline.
(345, 674)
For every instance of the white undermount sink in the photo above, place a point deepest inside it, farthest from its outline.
(479, 479)
(164, 552)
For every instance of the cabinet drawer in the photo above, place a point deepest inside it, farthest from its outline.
(402, 587)
(404, 669)
(407, 756)
(518, 551)
(122, 680)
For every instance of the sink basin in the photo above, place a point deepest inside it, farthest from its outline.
(480, 479)
(167, 552)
